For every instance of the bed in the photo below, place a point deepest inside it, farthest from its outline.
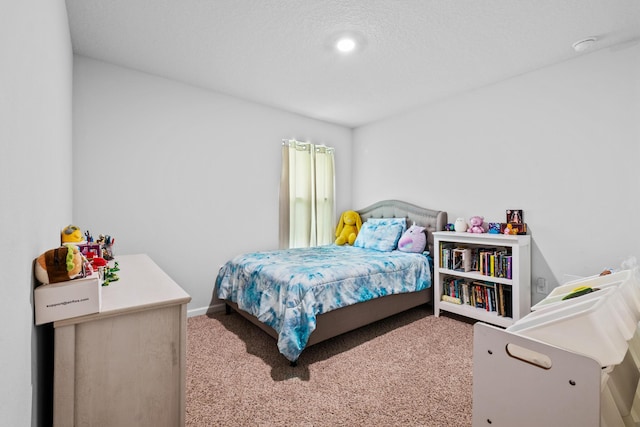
(307, 295)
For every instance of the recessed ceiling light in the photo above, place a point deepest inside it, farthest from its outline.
(584, 44)
(346, 44)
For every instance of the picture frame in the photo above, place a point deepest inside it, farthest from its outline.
(515, 216)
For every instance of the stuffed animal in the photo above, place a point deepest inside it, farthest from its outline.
(348, 227)
(59, 265)
(476, 224)
(460, 225)
(71, 234)
(413, 240)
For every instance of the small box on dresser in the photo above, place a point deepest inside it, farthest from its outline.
(64, 300)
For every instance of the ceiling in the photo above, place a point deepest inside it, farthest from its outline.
(279, 53)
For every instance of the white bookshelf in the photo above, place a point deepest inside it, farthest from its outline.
(519, 247)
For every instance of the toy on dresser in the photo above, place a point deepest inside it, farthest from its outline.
(59, 265)
(107, 243)
(460, 225)
(476, 224)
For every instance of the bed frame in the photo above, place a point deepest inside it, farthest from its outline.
(345, 319)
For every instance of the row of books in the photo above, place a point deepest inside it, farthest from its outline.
(493, 262)
(496, 263)
(493, 297)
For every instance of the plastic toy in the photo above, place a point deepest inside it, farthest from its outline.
(107, 243)
(494, 228)
(110, 274)
(71, 234)
(59, 265)
(579, 291)
(476, 224)
(413, 240)
(348, 227)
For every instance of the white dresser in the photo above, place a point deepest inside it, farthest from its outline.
(125, 366)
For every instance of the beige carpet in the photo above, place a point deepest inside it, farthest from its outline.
(408, 370)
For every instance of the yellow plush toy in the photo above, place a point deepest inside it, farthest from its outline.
(348, 227)
(71, 234)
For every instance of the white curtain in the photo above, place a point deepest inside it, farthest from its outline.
(307, 188)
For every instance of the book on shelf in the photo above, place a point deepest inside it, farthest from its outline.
(478, 291)
(509, 266)
(465, 294)
(508, 302)
(446, 258)
(493, 299)
(451, 299)
(500, 298)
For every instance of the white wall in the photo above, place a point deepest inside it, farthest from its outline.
(561, 143)
(184, 174)
(35, 186)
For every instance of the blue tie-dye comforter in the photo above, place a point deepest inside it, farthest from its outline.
(287, 289)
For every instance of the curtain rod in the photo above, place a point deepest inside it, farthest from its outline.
(317, 147)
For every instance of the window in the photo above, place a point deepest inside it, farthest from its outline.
(307, 187)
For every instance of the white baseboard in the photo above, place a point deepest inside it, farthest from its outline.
(205, 310)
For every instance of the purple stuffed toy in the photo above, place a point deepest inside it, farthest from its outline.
(413, 240)
(476, 224)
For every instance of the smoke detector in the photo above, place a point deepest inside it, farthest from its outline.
(584, 44)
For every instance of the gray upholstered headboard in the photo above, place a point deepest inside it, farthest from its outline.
(431, 219)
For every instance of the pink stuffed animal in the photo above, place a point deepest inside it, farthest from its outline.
(475, 224)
